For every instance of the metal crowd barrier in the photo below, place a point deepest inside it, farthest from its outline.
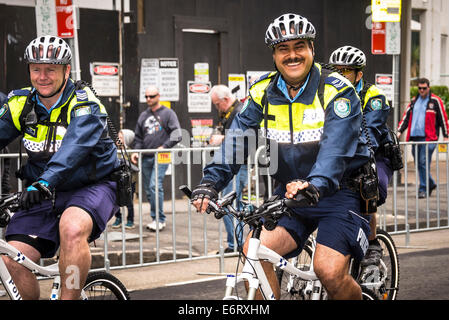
(190, 235)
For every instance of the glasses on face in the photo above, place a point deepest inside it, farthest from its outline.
(346, 71)
(151, 97)
(422, 88)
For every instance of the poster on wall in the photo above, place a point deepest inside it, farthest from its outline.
(162, 73)
(198, 99)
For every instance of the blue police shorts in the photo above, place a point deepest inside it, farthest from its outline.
(384, 173)
(340, 224)
(39, 226)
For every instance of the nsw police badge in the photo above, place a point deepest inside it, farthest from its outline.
(342, 107)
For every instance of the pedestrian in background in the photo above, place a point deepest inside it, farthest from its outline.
(126, 137)
(423, 118)
(228, 106)
(157, 128)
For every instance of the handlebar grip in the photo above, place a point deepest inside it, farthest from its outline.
(184, 188)
(218, 214)
(300, 200)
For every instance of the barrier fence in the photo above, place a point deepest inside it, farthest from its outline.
(189, 235)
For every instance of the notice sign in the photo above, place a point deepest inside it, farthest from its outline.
(198, 99)
(201, 131)
(45, 17)
(105, 78)
(386, 10)
(385, 83)
(237, 83)
(64, 17)
(162, 73)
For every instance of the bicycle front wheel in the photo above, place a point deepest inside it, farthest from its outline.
(104, 286)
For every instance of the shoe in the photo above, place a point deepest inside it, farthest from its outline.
(373, 255)
(152, 226)
(117, 223)
(431, 189)
(228, 250)
(129, 225)
(422, 194)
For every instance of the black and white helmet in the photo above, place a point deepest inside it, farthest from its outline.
(288, 27)
(48, 49)
(348, 56)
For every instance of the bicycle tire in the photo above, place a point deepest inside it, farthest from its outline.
(101, 285)
(368, 294)
(392, 262)
(296, 292)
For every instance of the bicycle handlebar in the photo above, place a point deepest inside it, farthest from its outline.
(8, 204)
(271, 210)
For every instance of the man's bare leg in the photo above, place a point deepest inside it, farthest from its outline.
(25, 281)
(332, 269)
(75, 227)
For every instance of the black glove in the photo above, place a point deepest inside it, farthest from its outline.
(204, 190)
(307, 197)
(34, 194)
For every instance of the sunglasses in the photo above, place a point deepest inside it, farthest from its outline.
(347, 70)
(423, 88)
(151, 97)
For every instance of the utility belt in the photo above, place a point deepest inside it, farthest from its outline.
(365, 181)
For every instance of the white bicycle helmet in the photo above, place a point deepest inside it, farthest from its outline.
(348, 56)
(287, 27)
(48, 49)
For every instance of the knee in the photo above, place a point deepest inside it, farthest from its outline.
(330, 276)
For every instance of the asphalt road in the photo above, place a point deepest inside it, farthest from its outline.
(424, 275)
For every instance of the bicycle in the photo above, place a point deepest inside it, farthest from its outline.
(382, 281)
(99, 285)
(266, 216)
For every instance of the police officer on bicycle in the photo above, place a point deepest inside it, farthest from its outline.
(351, 61)
(68, 197)
(313, 117)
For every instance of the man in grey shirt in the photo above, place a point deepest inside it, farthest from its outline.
(154, 131)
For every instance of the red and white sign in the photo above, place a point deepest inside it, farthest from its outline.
(378, 37)
(64, 18)
(199, 88)
(384, 81)
(105, 70)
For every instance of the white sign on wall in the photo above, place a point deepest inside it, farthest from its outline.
(237, 81)
(198, 98)
(201, 72)
(162, 73)
(105, 78)
(385, 83)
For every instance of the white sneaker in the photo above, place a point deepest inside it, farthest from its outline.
(152, 226)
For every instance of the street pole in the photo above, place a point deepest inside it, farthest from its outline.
(76, 71)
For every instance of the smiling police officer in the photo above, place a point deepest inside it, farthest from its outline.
(314, 118)
(68, 196)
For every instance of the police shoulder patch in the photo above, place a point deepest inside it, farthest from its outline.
(3, 109)
(376, 104)
(342, 107)
(82, 110)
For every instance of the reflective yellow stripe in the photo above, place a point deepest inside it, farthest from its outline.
(373, 91)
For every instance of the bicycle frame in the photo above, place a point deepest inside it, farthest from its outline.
(50, 271)
(253, 272)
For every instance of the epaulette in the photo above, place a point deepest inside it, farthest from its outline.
(81, 95)
(19, 92)
(339, 82)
